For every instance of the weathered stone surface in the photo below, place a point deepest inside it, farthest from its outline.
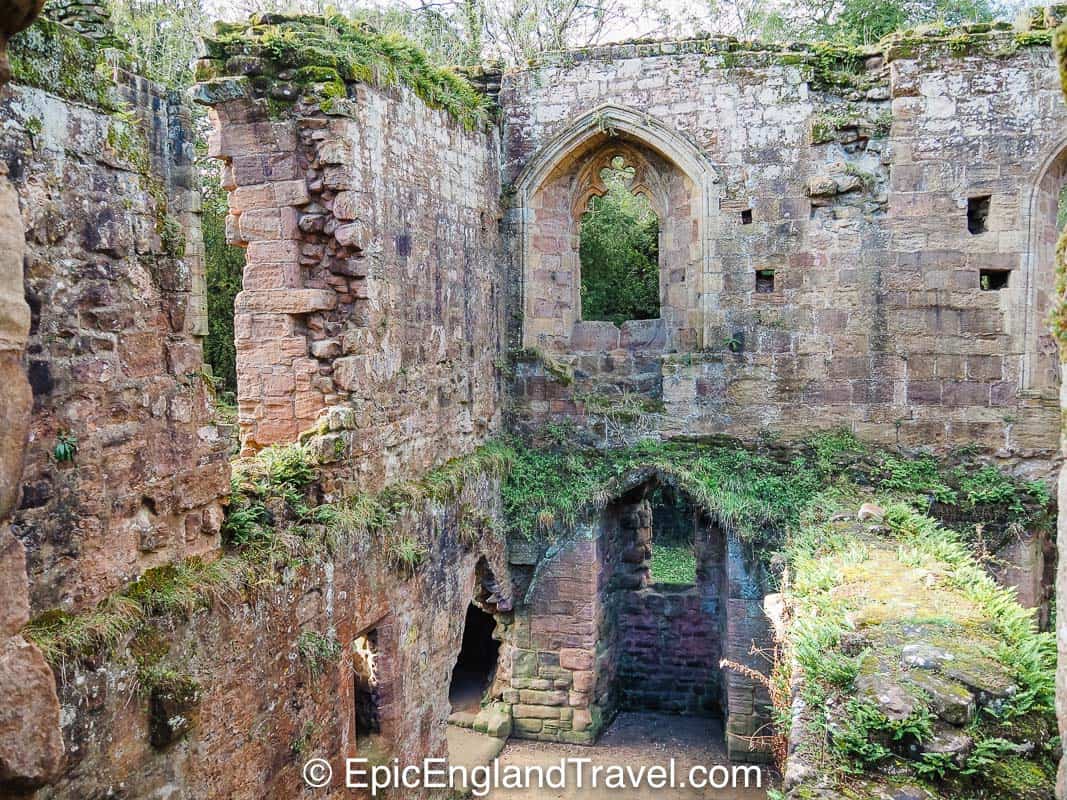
(949, 700)
(924, 655)
(31, 746)
(494, 720)
(285, 301)
(949, 742)
(877, 305)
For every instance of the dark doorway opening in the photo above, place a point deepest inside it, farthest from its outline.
(476, 666)
(366, 681)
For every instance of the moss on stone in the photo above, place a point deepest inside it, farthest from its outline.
(55, 58)
(310, 53)
(871, 605)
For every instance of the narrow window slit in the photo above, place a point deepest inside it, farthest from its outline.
(367, 682)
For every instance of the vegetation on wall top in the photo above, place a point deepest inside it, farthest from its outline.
(758, 493)
(58, 59)
(291, 55)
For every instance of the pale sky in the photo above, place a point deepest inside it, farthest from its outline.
(640, 17)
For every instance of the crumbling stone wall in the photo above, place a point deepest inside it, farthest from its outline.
(372, 277)
(263, 707)
(569, 672)
(31, 744)
(851, 183)
(124, 467)
(670, 637)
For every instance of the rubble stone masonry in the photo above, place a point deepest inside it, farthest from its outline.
(124, 469)
(418, 280)
(372, 275)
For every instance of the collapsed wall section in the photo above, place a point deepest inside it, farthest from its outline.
(124, 468)
(371, 226)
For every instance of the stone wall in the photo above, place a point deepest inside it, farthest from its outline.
(263, 705)
(579, 648)
(372, 277)
(124, 468)
(1061, 528)
(31, 744)
(850, 182)
(671, 636)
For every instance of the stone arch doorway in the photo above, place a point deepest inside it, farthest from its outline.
(474, 677)
(596, 634)
(666, 627)
(554, 190)
(476, 664)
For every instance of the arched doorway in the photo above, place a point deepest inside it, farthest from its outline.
(477, 662)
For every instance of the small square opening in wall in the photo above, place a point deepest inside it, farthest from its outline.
(746, 216)
(993, 280)
(978, 214)
(764, 281)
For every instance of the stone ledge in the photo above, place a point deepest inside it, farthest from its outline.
(286, 301)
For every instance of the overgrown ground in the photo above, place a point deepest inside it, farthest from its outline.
(853, 588)
(915, 668)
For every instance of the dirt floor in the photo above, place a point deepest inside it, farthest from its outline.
(634, 740)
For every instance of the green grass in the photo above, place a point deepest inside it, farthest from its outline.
(317, 651)
(849, 585)
(751, 493)
(672, 563)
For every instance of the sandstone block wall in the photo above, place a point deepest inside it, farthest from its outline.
(372, 277)
(102, 161)
(671, 636)
(592, 635)
(853, 191)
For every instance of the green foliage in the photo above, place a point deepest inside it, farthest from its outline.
(273, 521)
(161, 36)
(301, 744)
(619, 253)
(751, 494)
(65, 448)
(224, 267)
(672, 563)
(168, 682)
(317, 651)
(56, 58)
(865, 22)
(919, 476)
(406, 552)
(356, 52)
(283, 472)
(864, 726)
(1029, 654)
(852, 592)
